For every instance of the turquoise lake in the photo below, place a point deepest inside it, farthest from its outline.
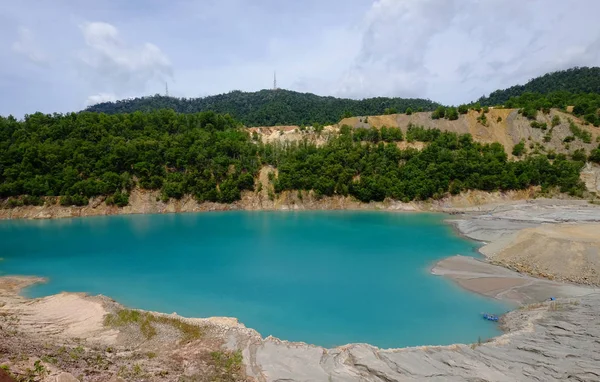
(326, 278)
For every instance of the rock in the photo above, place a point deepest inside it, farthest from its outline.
(66, 377)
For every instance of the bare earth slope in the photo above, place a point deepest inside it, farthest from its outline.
(553, 239)
(505, 126)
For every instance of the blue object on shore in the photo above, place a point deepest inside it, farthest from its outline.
(490, 317)
(552, 299)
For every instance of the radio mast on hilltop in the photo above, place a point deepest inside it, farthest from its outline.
(274, 80)
(167, 89)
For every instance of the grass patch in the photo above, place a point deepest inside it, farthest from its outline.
(228, 365)
(77, 352)
(147, 322)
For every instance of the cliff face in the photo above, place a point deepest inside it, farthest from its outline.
(148, 202)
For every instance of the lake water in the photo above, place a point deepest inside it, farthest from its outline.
(326, 278)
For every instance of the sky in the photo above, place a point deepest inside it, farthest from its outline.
(62, 55)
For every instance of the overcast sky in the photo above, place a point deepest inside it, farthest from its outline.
(62, 55)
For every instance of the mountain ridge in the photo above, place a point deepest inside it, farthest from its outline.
(286, 107)
(573, 80)
(270, 107)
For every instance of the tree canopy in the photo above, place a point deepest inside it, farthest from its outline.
(207, 155)
(575, 80)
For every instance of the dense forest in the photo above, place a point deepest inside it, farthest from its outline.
(270, 107)
(78, 156)
(574, 80)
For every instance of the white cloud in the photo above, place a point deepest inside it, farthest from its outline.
(99, 98)
(451, 51)
(27, 46)
(454, 51)
(115, 66)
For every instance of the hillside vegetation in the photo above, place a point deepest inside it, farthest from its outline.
(574, 80)
(209, 156)
(269, 107)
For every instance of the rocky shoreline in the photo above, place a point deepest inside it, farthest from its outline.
(545, 340)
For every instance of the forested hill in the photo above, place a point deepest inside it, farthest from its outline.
(270, 107)
(574, 80)
(84, 155)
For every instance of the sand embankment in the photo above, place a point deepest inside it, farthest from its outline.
(554, 240)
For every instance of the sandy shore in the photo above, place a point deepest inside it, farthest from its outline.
(546, 340)
(498, 282)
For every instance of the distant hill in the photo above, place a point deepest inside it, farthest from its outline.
(574, 80)
(270, 107)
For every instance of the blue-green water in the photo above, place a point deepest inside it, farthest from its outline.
(327, 278)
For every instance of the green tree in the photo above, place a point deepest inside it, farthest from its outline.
(452, 113)
(519, 149)
(439, 113)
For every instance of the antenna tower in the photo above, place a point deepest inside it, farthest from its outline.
(274, 80)
(167, 88)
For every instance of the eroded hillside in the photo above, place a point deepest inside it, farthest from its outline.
(505, 126)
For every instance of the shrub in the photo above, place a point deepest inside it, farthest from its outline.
(482, 119)
(595, 155)
(30, 200)
(452, 113)
(119, 199)
(74, 200)
(440, 112)
(580, 133)
(579, 155)
(529, 113)
(539, 125)
(14, 202)
(519, 149)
